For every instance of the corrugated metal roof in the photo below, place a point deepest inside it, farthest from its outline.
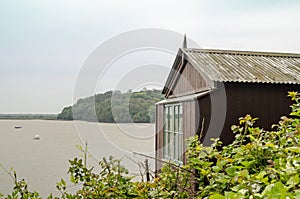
(246, 66)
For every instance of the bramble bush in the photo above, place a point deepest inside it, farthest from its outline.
(257, 164)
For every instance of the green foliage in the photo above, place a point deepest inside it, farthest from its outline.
(258, 164)
(20, 189)
(114, 106)
(66, 114)
(111, 182)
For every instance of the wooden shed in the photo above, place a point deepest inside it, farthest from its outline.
(208, 90)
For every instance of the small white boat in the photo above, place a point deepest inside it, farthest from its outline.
(36, 137)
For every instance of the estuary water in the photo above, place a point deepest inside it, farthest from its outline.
(43, 162)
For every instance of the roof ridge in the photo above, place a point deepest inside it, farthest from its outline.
(242, 52)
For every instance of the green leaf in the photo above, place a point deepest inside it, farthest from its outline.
(216, 196)
(230, 195)
(233, 195)
(63, 182)
(50, 196)
(261, 175)
(244, 173)
(231, 170)
(297, 194)
(295, 113)
(275, 191)
(294, 180)
(247, 164)
(73, 180)
(269, 144)
(294, 149)
(216, 168)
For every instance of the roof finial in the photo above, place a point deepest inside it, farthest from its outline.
(184, 44)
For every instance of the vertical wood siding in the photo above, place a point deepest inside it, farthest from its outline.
(268, 102)
(159, 133)
(204, 104)
(189, 122)
(189, 81)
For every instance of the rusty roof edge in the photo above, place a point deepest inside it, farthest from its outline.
(241, 52)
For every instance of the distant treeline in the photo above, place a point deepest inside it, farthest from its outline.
(28, 116)
(114, 106)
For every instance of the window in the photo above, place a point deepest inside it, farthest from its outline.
(173, 136)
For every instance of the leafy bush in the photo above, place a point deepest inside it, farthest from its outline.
(258, 164)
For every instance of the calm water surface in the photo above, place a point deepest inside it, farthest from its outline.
(44, 162)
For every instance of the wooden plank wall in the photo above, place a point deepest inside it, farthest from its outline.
(189, 122)
(268, 102)
(190, 81)
(204, 116)
(159, 139)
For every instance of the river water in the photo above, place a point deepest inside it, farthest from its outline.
(42, 163)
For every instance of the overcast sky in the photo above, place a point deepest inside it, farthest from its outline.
(44, 44)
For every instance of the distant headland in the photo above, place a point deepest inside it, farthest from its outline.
(114, 106)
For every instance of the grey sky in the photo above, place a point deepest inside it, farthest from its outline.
(43, 44)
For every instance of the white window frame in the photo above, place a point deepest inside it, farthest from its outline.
(173, 132)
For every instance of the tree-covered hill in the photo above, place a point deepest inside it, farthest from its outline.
(114, 106)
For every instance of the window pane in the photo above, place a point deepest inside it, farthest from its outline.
(176, 118)
(166, 131)
(170, 145)
(171, 118)
(180, 146)
(173, 136)
(176, 145)
(166, 134)
(180, 119)
(166, 118)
